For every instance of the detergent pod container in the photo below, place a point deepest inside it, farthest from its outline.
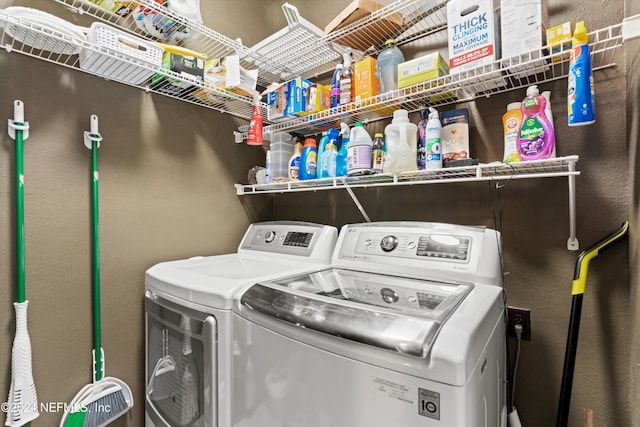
(401, 138)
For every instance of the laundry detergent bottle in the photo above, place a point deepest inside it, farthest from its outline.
(309, 160)
(536, 140)
(401, 137)
(329, 155)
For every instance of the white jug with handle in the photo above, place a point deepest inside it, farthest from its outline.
(401, 138)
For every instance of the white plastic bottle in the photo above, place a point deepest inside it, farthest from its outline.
(268, 172)
(433, 146)
(401, 138)
(359, 150)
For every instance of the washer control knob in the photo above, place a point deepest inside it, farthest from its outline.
(270, 236)
(389, 295)
(389, 243)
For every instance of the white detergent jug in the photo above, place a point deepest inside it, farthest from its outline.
(401, 138)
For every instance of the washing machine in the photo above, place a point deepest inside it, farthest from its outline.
(188, 307)
(406, 328)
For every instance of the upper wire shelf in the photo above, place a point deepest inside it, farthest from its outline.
(504, 75)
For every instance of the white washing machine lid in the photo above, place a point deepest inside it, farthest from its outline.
(212, 281)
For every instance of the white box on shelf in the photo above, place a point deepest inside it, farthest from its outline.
(474, 33)
(129, 59)
(523, 33)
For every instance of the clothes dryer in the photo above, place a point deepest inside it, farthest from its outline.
(405, 329)
(188, 306)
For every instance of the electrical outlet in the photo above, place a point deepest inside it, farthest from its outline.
(519, 316)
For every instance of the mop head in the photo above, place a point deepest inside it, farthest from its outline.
(98, 404)
(22, 401)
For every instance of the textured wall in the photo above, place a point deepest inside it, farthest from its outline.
(167, 171)
(533, 216)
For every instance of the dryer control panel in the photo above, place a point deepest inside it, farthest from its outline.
(301, 239)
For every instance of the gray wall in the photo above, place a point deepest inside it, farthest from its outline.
(533, 217)
(167, 171)
(167, 175)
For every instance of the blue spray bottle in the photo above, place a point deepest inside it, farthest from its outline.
(322, 143)
(335, 86)
(580, 94)
(329, 155)
(341, 158)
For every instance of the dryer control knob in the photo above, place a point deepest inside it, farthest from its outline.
(389, 243)
(270, 236)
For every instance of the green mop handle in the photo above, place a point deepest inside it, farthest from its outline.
(92, 141)
(19, 130)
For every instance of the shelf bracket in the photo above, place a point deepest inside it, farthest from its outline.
(356, 201)
(572, 242)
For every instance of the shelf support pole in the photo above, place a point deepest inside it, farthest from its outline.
(572, 242)
(356, 201)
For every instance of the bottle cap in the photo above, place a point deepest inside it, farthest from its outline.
(433, 113)
(393, 41)
(514, 106)
(533, 91)
(401, 114)
(378, 135)
(309, 142)
(359, 124)
(580, 34)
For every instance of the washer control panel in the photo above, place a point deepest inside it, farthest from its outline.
(430, 245)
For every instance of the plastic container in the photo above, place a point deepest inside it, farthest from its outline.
(294, 162)
(536, 139)
(341, 158)
(267, 165)
(346, 81)
(308, 160)
(511, 122)
(549, 114)
(322, 143)
(387, 66)
(378, 152)
(335, 86)
(433, 146)
(401, 137)
(422, 138)
(359, 150)
(255, 125)
(580, 94)
(329, 155)
(281, 151)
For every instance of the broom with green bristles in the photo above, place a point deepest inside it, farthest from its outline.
(106, 398)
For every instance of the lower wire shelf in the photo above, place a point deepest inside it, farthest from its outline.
(496, 171)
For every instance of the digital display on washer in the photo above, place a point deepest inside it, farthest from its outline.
(444, 246)
(295, 238)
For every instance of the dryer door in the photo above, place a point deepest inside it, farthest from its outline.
(181, 359)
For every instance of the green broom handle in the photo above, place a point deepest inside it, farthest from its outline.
(19, 130)
(94, 138)
(20, 213)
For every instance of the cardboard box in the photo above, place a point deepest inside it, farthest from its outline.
(297, 94)
(277, 98)
(454, 136)
(190, 69)
(318, 98)
(474, 37)
(523, 27)
(120, 8)
(422, 69)
(227, 73)
(367, 36)
(559, 40)
(366, 82)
